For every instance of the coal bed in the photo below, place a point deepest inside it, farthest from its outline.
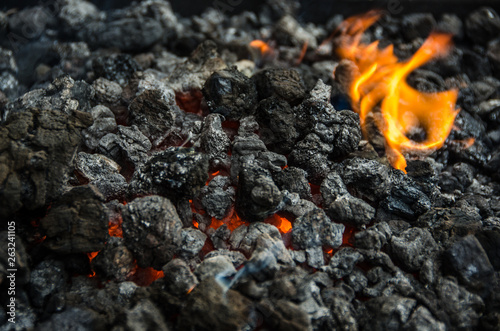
(249, 170)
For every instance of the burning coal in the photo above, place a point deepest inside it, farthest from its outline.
(380, 85)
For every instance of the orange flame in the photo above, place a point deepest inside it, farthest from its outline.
(382, 80)
(91, 256)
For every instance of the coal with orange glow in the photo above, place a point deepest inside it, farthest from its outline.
(286, 175)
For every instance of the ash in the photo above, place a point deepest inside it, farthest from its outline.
(163, 174)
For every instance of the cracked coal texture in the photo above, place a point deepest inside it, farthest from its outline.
(76, 222)
(35, 165)
(230, 93)
(316, 229)
(175, 173)
(152, 230)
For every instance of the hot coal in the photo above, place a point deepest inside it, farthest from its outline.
(164, 175)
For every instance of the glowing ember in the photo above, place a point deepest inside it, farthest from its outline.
(91, 257)
(261, 50)
(283, 224)
(115, 228)
(302, 53)
(382, 81)
(145, 276)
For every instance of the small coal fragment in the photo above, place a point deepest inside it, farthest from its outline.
(47, 278)
(214, 142)
(311, 154)
(257, 195)
(413, 247)
(293, 180)
(76, 222)
(101, 172)
(127, 146)
(341, 205)
(209, 307)
(469, 261)
(119, 67)
(417, 26)
(115, 261)
(154, 112)
(217, 197)
(188, 78)
(217, 267)
(316, 229)
(462, 307)
(422, 318)
(244, 238)
(104, 123)
(178, 277)
(289, 32)
(343, 262)
(367, 178)
(107, 92)
(152, 230)
(482, 25)
(277, 123)
(230, 93)
(192, 241)
(282, 83)
(374, 237)
(220, 237)
(389, 313)
(444, 223)
(175, 173)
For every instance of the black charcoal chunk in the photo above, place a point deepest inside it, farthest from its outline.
(101, 172)
(209, 308)
(107, 92)
(104, 123)
(75, 14)
(63, 95)
(230, 93)
(417, 26)
(445, 223)
(118, 67)
(154, 112)
(47, 278)
(294, 180)
(406, 200)
(343, 262)
(217, 267)
(482, 25)
(152, 230)
(192, 242)
(217, 197)
(284, 315)
(413, 247)
(257, 195)
(452, 24)
(179, 279)
(368, 179)
(187, 78)
(127, 146)
(462, 307)
(115, 261)
(237, 258)
(422, 319)
(76, 222)
(315, 229)
(277, 123)
(214, 142)
(285, 84)
(389, 313)
(311, 155)
(341, 205)
(175, 173)
(470, 263)
(289, 32)
(373, 238)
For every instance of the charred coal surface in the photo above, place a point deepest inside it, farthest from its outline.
(168, 173)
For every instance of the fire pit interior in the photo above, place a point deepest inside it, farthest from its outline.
(274, 165)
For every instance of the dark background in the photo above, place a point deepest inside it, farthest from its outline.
(311, 10)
